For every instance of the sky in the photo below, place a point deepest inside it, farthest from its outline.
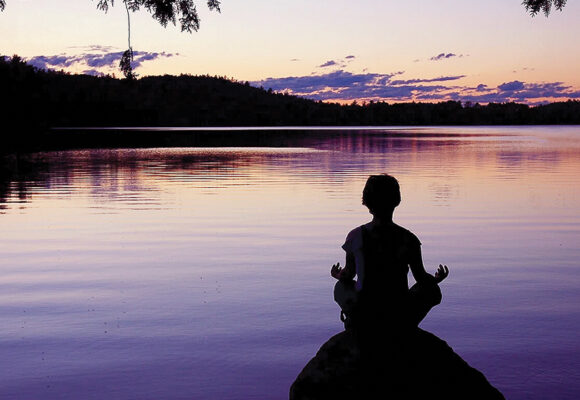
(330, 50)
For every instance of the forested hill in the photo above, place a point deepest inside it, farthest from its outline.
(35, 100)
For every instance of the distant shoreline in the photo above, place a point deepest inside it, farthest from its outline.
(46, 108)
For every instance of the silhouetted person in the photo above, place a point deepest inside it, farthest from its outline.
(379, 303)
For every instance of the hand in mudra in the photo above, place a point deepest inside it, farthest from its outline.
(441, 273)
(335, 270)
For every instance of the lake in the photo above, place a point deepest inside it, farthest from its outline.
(203, 273)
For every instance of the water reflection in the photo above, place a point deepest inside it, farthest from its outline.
(117, 174)
(203, 272)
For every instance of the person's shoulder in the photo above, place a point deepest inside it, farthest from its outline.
(353, 239)
(356, 232)
(407, 235)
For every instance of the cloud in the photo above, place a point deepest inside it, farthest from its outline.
(94, 47)
(526, 69)
(520, 92)
(445, 56)
(343, 86)
(329, 63)
(511, 86)
(316, 83)
(103, 60)
(92, 72)
(94, 60)
(51, 62)
(340, 63)
(440, 79)
(294, 59)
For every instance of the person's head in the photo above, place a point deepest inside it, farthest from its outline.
(381, 194)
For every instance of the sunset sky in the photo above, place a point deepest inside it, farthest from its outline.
(336, 50)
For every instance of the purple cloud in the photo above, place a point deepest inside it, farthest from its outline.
(102, 60)
(444, 56)
(94, 60)
(440, 79)
(329, 63)
(349, 57)
(51, 62)
(511, 86)
(529, 93)
(331, 81)
(92, 72)
(346, 86)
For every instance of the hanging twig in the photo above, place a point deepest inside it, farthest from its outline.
(127, 57)
(128, 24)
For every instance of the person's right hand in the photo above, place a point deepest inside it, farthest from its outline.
(441, 273)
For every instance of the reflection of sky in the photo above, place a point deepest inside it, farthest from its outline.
(115, 261)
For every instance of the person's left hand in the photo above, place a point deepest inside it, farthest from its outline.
(335, 270)
(442, 273)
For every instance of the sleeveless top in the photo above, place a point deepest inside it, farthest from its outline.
(382, 256)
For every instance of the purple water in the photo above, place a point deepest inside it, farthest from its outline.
(204, 273)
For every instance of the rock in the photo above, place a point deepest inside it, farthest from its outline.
(424, 368)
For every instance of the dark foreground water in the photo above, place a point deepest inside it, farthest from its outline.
(203, 273)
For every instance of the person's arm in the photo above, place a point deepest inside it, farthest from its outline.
(418, 269)
(348, 272)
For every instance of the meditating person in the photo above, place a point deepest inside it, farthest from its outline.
(380, 254)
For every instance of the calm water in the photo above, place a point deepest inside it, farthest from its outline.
(204, 273)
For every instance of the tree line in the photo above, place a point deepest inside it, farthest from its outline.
(37, 100)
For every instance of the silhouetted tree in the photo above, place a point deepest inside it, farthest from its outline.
(165, 11)
(127, 57)
(42, 99)
(125, 64)
(535, 6)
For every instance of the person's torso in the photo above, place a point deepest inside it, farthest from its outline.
(387, 254)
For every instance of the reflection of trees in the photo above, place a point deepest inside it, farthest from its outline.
(101, 173)
(18, 174)
(116, 175)
(135, 176)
